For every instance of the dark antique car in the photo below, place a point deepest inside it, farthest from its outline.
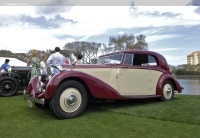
(14, 78)
(121, 75)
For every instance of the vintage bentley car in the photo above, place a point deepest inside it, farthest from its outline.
(14, 78)
(129, 74)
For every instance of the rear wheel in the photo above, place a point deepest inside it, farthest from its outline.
(69, 101)
(167, 91)
(8, 86)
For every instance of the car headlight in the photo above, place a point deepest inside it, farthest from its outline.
(41, 86)
(42, 72)
(51, 71)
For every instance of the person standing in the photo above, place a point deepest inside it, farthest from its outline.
(43, 62)
(35, 62)
(5, 65)
(78, 59)
(56, 59)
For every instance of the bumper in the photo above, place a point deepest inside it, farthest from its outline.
(32, 99)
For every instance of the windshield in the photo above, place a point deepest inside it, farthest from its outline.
(112, 59)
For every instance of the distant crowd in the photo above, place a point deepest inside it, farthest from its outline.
(56, 59)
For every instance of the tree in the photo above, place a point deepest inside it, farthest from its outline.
(128, 42)
(141, 43)
(6, 53)
(104, 49)
(185, 69)
(89, 50)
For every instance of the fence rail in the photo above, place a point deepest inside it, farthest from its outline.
(188, 77)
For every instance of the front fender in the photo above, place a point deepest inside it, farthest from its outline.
(97, 88)
(161, 81)
(32, 86)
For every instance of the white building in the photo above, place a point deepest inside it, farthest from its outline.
(194, 58)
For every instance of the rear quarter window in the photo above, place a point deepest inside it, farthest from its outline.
(144, 60)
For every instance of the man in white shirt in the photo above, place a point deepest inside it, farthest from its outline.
(56, 59)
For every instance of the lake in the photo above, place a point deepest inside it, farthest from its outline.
(191, 87)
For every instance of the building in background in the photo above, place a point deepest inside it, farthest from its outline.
(194, 58)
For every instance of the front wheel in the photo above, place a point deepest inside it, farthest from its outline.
(69, 100)
(167, 91)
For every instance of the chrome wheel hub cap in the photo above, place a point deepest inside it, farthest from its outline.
(168, 90)
(71, 100)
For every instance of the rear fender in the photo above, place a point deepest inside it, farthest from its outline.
(161, 81)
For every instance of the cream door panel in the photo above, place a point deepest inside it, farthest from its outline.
(155, 75)
(134, 82)
(113, 82)
(100, 73)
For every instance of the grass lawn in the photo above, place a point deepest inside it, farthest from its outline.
(112, 119)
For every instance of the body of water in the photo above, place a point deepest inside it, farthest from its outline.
(191, 87)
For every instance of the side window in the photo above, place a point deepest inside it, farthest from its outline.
(144, 60)
(116, 59)
(128, 59)
(140, 59)
(112, 59)
(152, 61)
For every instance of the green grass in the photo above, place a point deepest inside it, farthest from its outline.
(120, 119)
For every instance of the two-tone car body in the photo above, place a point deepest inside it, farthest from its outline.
(129, 74)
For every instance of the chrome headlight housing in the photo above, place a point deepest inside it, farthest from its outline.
(51, 71)
(41, 87)
(41, 73)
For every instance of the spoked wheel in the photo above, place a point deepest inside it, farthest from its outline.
(8, 86)
(167, 91)
(69, 101)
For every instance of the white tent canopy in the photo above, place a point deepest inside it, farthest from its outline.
(13, 61)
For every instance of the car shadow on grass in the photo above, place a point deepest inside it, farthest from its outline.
(114, 104)
(98, 106)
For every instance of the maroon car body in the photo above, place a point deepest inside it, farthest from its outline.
(129, 74)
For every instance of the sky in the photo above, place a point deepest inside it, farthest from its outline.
(172, 28)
